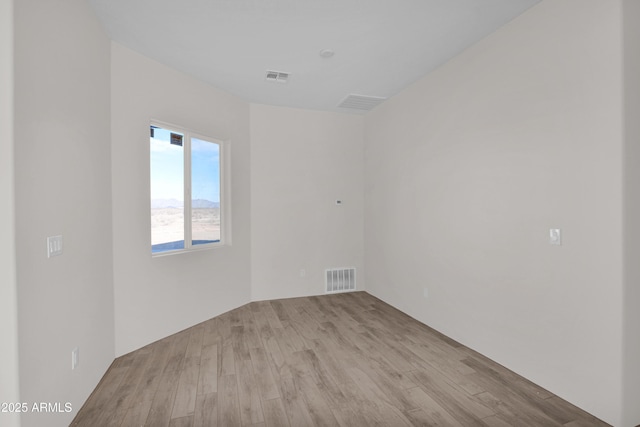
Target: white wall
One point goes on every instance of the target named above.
(302, 161)
(468, 169)
(155, 297)
(631, 309)
(62, 186)
(9, 389)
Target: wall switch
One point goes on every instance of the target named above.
(54, 246)
(555, 236)
(303, 272)
(75, 358)
(425, 292)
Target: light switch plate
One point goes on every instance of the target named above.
(54, 246)
(555, 236)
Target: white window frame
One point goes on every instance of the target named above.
(225, 205)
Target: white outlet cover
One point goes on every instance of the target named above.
(555, 236)
(54, 246)
(75, 358)
(425, 292)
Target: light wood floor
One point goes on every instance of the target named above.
(335, 360)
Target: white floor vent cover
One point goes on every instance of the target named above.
(340, 280)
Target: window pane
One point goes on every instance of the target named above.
(167, 190)
(205, 192)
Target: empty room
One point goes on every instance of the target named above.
(337, 213)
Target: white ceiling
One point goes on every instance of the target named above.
(381, 46)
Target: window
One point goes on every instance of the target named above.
(186, 190)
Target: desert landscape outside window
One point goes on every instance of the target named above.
(185, 190)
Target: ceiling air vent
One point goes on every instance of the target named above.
(360, 102)
(277, 76)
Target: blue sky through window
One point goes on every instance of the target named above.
(167, 172)
(205, 170)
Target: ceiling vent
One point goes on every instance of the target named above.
(277, 76)
(361, 102)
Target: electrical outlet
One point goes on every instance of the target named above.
(555, 236)
(75, 358)
(303, 272)
(54, 246)
(425, 292)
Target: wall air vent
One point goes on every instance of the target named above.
(360, 102)
(340, 280)
(277, 76)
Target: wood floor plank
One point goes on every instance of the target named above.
(336, 338)
(418, 417)
(179, 345)
(271, 316)
(504, 413)
(314, 367)
(279, 366)
(346, 360)
(227, 361)
(251, 335)
(99, 400)
(208, 374)
(228, 405)
(329, 357)
(394, 392)
(185, 401)
(206, 410)
(450, 368)
(462, 406)
(489, 368)
(304, 325)
(431, 410)
(141, 405)
(137, 413)
(239, 343)
(316, 402)
(348, 417)
(266, 383)
(248, 395)
(294, 406)
(565, 410)
(224, 325)
(519, 395)
(367, 409)
(373, 391)
(116, 409)
(274, 414)
(399, 357)
(182, 422)
(496, 421)
(265, 330)
(281, 312)
(292, 338)
(160, 411)
(212, 332)
(324, 306)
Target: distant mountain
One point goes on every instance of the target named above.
(203, 203)
(166, 203)
(175, 203)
